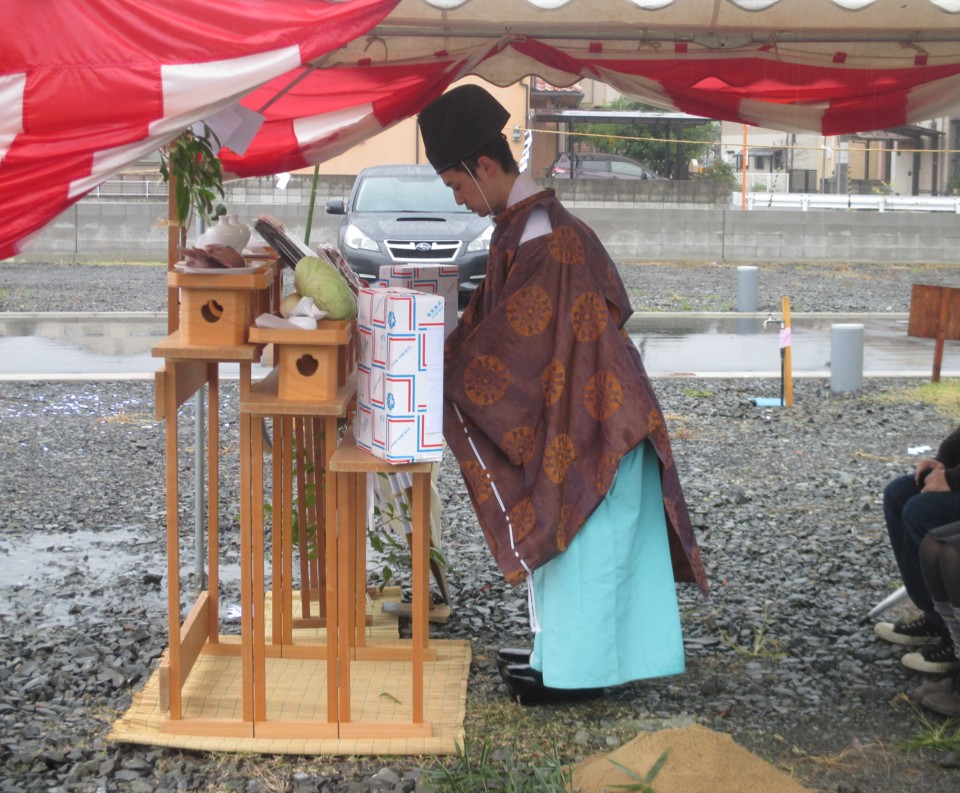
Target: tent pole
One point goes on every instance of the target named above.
(313, 200)
(173, 254)
(743, 172)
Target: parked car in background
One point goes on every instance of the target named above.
(405, 214)
(600, 166)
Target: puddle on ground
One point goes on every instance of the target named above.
(715, 345)
(44, 346)
(76, 568)
(70, 565)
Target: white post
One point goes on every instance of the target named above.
(846, 357)
(747, 278)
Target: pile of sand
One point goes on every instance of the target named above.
(700, 761)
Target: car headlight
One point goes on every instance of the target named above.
(356, 239)
(481, 243)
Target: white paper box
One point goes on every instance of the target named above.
(436, 279)
(363, 427)
(400, 374)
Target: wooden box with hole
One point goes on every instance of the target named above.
(218, 309)
(312, 364)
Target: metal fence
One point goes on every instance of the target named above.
(134, 186)
(149, 185)
(875, 203)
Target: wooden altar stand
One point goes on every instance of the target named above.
(318, 665)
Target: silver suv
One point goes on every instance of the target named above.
(405, 214)
(600, 166)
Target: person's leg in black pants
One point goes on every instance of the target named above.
(909, 515)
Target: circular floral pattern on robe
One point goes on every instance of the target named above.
(657, 432)
(486, 379)
(517, 443)
(589, 316)
(479, 480)
(558, 456)
(552, 381)
(522, 518)
(571, 519)
(603, 395)
(565, 246)
(606, 470)
(529, 310)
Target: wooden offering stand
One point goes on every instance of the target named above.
(192, 355)
(351, 466)
(307, 398)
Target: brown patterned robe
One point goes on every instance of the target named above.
(544, 393)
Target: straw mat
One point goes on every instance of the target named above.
(380, 691)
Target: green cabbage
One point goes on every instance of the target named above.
(318, 279)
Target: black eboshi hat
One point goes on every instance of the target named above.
(459, 124)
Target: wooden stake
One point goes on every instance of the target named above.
(787, 357)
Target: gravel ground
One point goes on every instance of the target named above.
(786, 504)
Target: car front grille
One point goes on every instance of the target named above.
(423, 250)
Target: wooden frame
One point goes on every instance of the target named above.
(186, 369)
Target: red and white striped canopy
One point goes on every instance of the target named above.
(90, 86)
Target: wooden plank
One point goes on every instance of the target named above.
(297, 729)
(328, 332)
(386, 729)
(388, 652)
(261, 279)
(173, 349)
(194, 634)
(934, 312)
(349, 457)
(224, 648)
(317, 652)
(263, 400)
(225, 728)
(189, 378)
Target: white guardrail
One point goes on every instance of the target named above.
(875, 203)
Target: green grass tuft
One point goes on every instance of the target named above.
(475, 771)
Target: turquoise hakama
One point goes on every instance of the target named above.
(607, 606)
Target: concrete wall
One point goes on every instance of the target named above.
(663, 220)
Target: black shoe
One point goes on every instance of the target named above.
(526, 686)
(512, 655)
(919, 630)
(933, 658)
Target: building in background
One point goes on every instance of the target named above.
(910, 160)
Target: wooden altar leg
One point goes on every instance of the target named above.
(213, 502)
(330, 561)
(345, 483)
(173, 540)
(249, 425)
(316, 512)
(303, 539)
(421, 586)
(257, 577)
(358, 562)
(282, 522)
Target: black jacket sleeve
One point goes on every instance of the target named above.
(949, 455)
